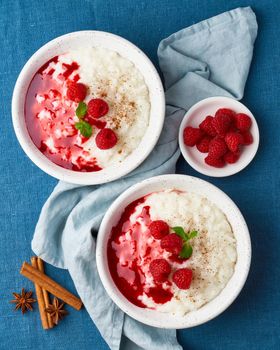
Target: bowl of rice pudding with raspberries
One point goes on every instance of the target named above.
(88, 107)
(173, 251)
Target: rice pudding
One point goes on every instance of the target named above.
(87, 109)
(171, 251)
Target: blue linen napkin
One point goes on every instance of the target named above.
(207, 59)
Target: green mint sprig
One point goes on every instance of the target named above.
(187, 249)
(81, 110)
(84, 128)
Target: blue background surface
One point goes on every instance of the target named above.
(253, 320)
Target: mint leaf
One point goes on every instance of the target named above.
(192, 234)
(81, 110)
(186, 251)
(180, 232)
(84, 128)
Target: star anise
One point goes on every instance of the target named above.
(56, 310)
(23, 301)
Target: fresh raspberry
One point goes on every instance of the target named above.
(76, 91)
(231, 157)
(203, 144)
(225, 111)
(247, 138)
(243, 122)
(106, 138)
(192, 136)
(158, 229)
(160, 269)
(100, 124)
(207, 127)
(216, 162)
(172, 243)
(97, 107)
(183, 278)
(217, 148)
(222, 121)
(233, 141)
(232, 129)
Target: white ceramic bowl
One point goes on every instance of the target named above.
(228, 294)
(195, 116)
(73, 41)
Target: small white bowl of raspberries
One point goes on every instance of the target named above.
(219, 136)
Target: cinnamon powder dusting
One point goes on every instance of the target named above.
(123, 110)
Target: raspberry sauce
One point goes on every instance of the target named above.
(130, 250)
(50, 117)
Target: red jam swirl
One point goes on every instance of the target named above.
(49, 116)
(128, 275)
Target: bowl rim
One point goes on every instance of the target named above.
(144, 316)
(111, 173)
(228, 170)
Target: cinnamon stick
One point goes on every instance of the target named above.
(40, 264)
(50, 285)
(40, 298)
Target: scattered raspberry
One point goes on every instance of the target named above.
(217, 148)
(222, 121)
(160, 269)
(183, 278)
(207, 127)
(192, 136)
(231, 157)
(172, 243)
(203, 144)
(216, 162)
(233, 141)
(97, 107)
(243, 122)
(247, 138)
(159, 229)
(76, 91)
(106, 138)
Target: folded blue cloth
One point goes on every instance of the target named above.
(209, 58)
